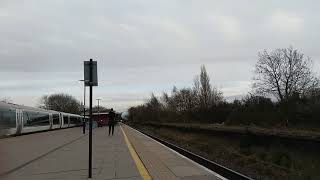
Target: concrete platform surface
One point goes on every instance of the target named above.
(17, 151)
(68, 159)
(165, 164)
(63, 154)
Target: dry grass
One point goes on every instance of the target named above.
(284, 132)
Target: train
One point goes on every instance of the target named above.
(17, 119)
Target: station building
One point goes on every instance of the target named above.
(102, 118)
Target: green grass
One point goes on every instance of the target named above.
(255, 159)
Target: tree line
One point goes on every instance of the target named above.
(285, 92)
(66, 103)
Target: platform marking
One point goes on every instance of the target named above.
(141, 168)
(182, 156)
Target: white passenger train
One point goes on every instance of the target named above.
(17, 119)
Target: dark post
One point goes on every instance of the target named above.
(98, 111)
(90, 123)
(84, 108)
(84, 122)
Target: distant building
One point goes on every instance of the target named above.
(101, 118)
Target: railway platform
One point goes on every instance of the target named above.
(63, 154)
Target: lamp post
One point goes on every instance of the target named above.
(98, 109)
(84, 106)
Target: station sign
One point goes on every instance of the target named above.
(88, 67)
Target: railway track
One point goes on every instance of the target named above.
(223, 171)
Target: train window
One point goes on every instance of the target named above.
(7, 118)
(31, 118)
(55, 119)
(73, 120)
(65, 120)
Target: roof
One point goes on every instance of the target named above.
(100, 113)
(95, 113)
(16, 106)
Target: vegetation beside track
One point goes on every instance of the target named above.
(287, 133)
(245, 154)
(271, 133)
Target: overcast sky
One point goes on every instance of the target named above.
(144, 46)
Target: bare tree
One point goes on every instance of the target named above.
(61, 102)
(165, 99)
(172, 102)
(196, 92)
(216, 96)
(6, 100)
(205, 88)
(154, 103)
(184, 99)
(284, 73)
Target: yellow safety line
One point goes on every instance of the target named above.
(141, 168)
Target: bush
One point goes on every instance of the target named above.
(264, 119)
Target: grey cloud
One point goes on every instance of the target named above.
(144, 46)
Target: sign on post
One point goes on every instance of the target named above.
(87, 81)
(90, 79)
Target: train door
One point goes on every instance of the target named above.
(50, 120)
(60, 120)
(19, 121)
(65, 119)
